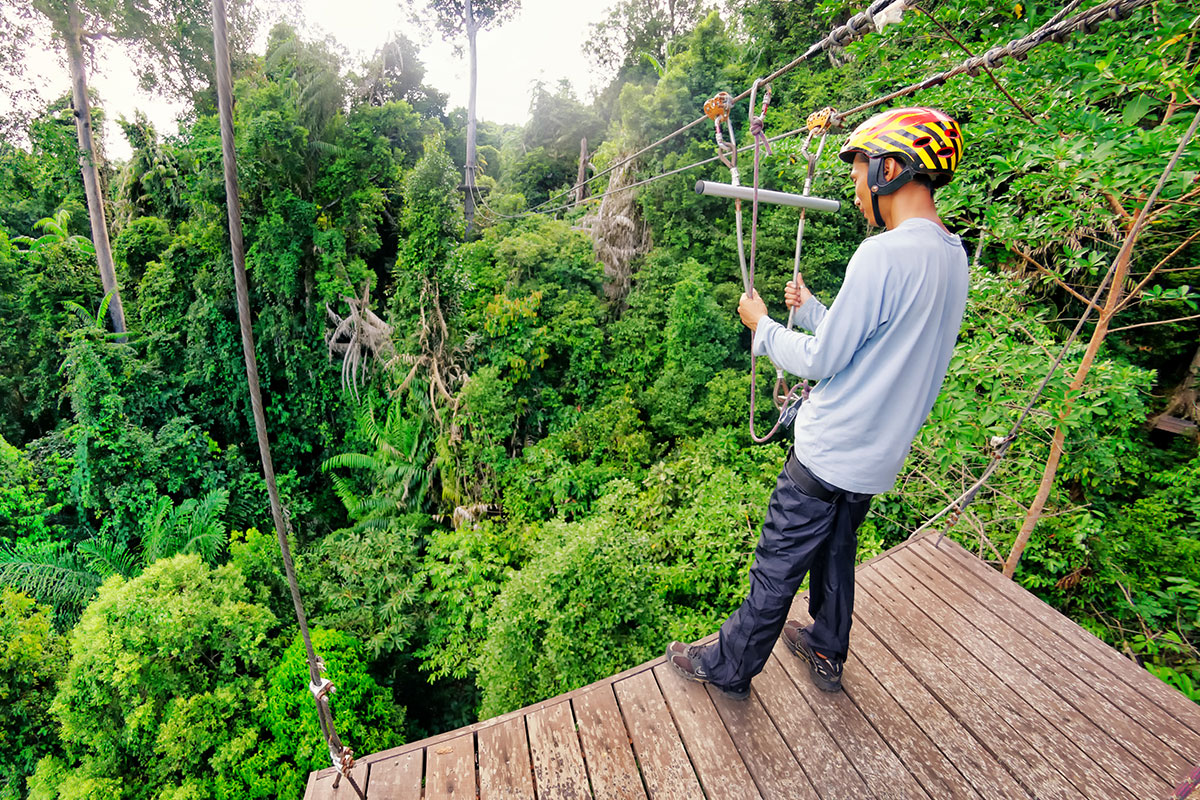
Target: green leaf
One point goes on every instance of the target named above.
(1136, 109)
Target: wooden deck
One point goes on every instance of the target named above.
(960, 684)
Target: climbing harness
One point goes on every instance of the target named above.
(787, 398)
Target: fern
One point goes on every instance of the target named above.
(50, 572)
(400, 469)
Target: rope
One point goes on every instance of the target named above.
(341, 756)
(1057, 29)
(787, 398)
(1000, 444)
(875, 17)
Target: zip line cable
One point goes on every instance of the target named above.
(875, 17)
(341, 756)
(1000, 444)
(1057, 30)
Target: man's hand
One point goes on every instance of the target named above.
(795, 296)
(751, 309)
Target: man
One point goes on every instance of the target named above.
(879, 355)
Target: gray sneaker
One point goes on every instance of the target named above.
(826, 671)
(685, 659)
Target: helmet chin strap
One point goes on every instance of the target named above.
(878, 184)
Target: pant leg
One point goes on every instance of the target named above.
(796, 527)
(831, 586)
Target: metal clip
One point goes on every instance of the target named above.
(325, 688)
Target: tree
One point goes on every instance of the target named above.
(1115, 300)
(192, 652)
(394, 74)
(454, 18)
(32, 658)
(170, 41)
(69, 25)
(635, 39)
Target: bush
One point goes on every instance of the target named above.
(32, 658)
(583, 608)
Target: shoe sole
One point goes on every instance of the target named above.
(819, 680)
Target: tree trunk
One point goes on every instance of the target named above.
(72, 36)
(1111, 306)
(581, 192)
(469, 205)
(1183, 398)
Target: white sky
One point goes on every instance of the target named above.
(544, 41)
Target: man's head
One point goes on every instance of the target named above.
(898, 147)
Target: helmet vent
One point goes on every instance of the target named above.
(952, 133)
(922, 142)
(945, 152)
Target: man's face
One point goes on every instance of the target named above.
(862, 194)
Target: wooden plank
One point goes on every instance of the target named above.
(320, 784)
(1141, 757)
(607, 752)
(1150, 687)
(884, 773)
(970, 757)
(712, 752)
(450, 769)
(1050, 730)
(505, 769)
(665, 766)
(819, 756)
(1030, 749)
(1174, 424)
(1122, 699)
(767, 756)
(397, 778)
(520, 712)
(558, 769)
(919, 755)
(919, 728)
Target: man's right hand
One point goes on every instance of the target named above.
(796, 296)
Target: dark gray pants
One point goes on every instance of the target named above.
(801, 534)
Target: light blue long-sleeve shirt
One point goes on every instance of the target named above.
(879, 354)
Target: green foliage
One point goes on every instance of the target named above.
(165, 670)
(140, 242)
(24, 508)
(699, 337)
(567, 471)
(56, 232)
(364, 712)
(465, 568)
(32, 659)
(546, 633)
(366, 582)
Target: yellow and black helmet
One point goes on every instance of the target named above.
(926, 140)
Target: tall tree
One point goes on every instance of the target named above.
(634, 39)
(68, 25)
(454, 18)
(170, 42)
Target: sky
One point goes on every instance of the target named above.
(543, 42)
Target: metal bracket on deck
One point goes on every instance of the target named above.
(713, 189)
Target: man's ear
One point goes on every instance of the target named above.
(891, 168)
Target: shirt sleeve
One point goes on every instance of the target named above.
(838, 333)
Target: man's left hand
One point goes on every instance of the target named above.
(751, 309)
